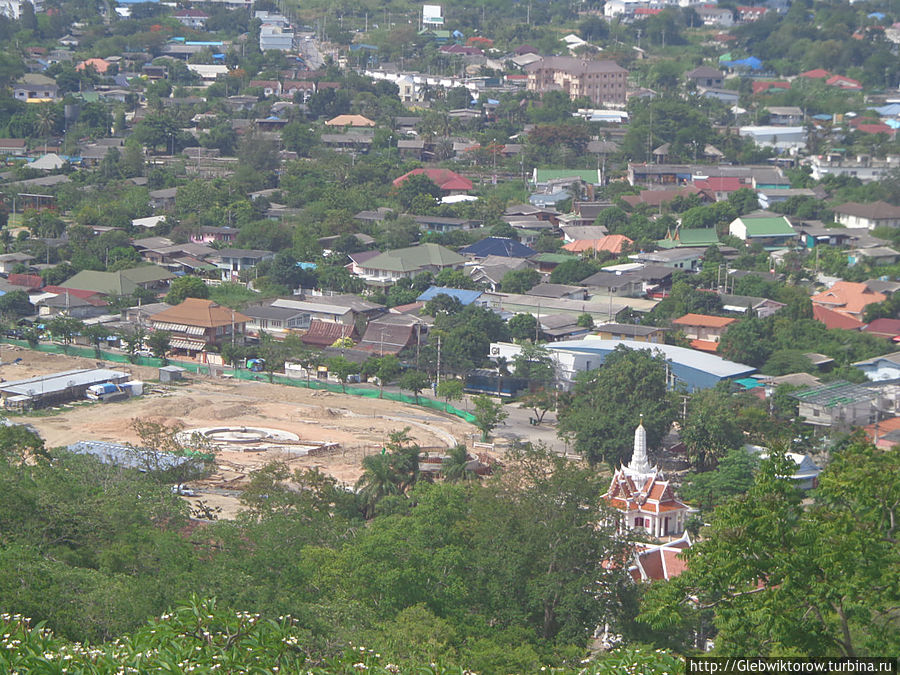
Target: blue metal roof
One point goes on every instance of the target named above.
(502, 246)
(127, 456)
(465, 297)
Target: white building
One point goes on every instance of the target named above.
(276, 38)
(645, 499)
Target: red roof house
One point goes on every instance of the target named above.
(847, 298)
(448, 181)
(886, 328)
(763, 86)
(816, 74)
(843, 82)
(832, 319)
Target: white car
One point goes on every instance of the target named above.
(183, 490)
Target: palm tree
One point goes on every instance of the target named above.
(45, 121)
(379, 480)
(454, 467)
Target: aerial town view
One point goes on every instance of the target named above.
(483, 337)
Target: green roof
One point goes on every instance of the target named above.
(107, 283)
(699, 236)
(146, 274)
(768, 227)
(554, 257)
(591, 176)
(414, 258)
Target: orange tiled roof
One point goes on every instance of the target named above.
(199, 312)
(847, 297)
(705, 345)
(704, 320)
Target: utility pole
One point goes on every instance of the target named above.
(438, 378)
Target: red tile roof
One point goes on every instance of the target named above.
(832, 319)
(704, 320)
(848, 298)
(326, 333)
(92, 297)
(444, 178)
(764, 86)
(816, 74)
(705, 345)
(614, 243)
(200, 312)
(26, 280)
(889, 328)
(844, 82)
(720, 184)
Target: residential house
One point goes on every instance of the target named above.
(163, 199)
(444, 224)
(12, 146)
(234, 260)
(764, 228)
(392, 333)
(276, 38)
(868, 216)
(611, 243)
(269, 87)
(832, 319)
(656, 199)
(72, 305)
(847, 298)
(785, 116)
(490, 271)
(676, 258)
(885, 328)
(768, 197)
(9, 261)
(581, 232)
(274, 321)
(548, 290)
(192, 18)
(633, 332)
(356, 121)
(465, 297)
(750, 306)
(881, 368)
(123, 282)
(208, 234)
(711, 15)
(843, 82)
(449, 182)
(704, 331)
(197, 324)
(705, 76)
(811, 235)
(876, 255)
(601, 82)
(719, 188)
(838, 404)
(556, 327)
(625, 285)
(385, 268)
(690, 238)
(33, 87)
(499, 247)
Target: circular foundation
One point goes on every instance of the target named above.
(243, 439)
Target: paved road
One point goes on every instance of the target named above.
(309, 49)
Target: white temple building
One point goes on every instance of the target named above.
(642, 495)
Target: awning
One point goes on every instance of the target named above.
(179, 328)
(191, 345)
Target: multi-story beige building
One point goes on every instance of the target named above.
(600, 81)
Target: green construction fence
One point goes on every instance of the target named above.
(202, 369)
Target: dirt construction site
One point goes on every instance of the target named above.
(328, 431)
